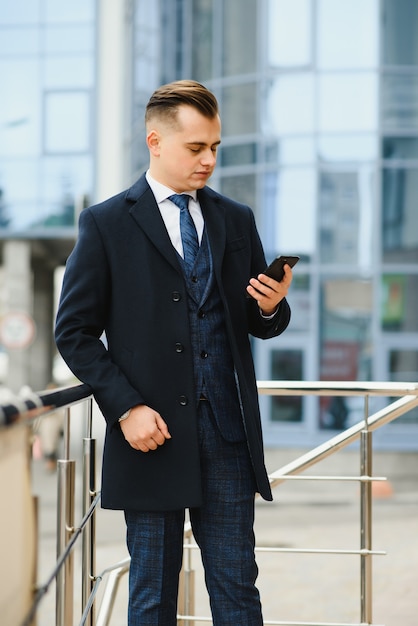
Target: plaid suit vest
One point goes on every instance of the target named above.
(214, 370)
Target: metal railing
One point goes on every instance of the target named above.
(35, 405)
(361, 431)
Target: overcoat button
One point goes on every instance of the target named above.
(179, 347)
(201, 314)
(204, 354)
(194, 279)
(183, 400)
(176, 296)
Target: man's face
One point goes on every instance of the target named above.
(183, 155)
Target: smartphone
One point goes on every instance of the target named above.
(275, 269)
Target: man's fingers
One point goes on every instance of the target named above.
(145, 429)
(162, 427)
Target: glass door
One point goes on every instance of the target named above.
(286, 419)
(401, 364)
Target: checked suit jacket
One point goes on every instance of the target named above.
(124, 278)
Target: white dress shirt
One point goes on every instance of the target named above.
(171, 212)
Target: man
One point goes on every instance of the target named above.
(176, 382)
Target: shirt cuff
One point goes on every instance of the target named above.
(124, 416)
(268, 317)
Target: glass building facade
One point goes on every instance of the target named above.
(319, 104)
(47, 71)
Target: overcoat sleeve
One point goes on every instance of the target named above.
(81, 320)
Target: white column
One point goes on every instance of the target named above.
(112, 62)
(17, 321)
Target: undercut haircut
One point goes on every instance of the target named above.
(166, 100)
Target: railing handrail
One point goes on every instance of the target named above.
(23, 406)
(30, 406)
(335, 388)
(343, 439)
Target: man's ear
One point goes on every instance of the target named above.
(153, 142)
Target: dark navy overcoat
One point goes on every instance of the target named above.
(124, 278)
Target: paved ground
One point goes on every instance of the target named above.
(304, 514)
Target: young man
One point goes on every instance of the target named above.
(176, 383)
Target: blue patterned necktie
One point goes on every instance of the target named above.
(187, 229)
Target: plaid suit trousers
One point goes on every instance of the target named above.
(223, 528)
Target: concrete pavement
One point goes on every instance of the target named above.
(304, 514)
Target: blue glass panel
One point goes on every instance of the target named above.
(289, 33)
(340, 106)
(20, 11)
(348, 34)
(20, 109)
(19, 41)
(67, 122)
(288, 105)
(400, 215)
(399, 102)
(64, 11)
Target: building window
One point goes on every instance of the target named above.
(399, 302)
(67, 122)
(345, 327)
(403, 367)
(289, 33)
(289, 210)
(345, 215)
(400, 148)
(347, 34)
(202, 39)
(284, 111)
(400, 215)
(241, 188)
(399, 102)
(239, 44)
(286, 365)
(239, 109)
(399, 32)
(341, 109)
(241, 154)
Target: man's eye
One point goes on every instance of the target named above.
(195, 150)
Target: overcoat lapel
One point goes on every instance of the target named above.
(214, 216)
(146, 214)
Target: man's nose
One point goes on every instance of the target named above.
(209, 157)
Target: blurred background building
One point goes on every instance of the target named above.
(319, 104)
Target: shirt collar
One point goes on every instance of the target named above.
(162, 192)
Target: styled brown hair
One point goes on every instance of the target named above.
(165, 100)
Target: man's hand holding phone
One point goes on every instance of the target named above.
(270, 287)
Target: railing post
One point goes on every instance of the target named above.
(109, 595)
(89, 538)
(65, 527)
(366, 521)
(186, 599)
